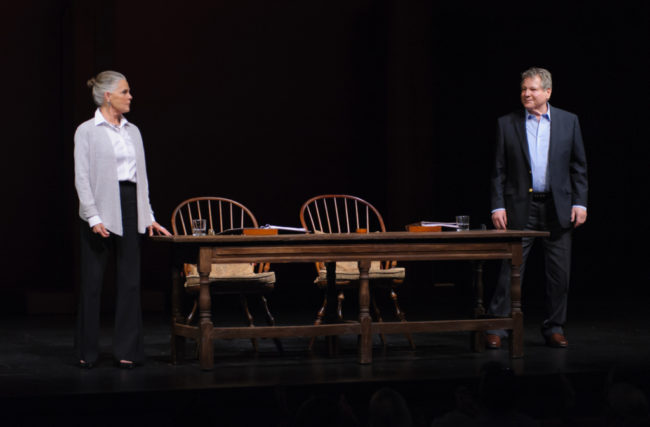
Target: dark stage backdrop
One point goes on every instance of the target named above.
(270, 103)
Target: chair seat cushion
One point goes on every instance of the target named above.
(231, 278)
(350, 271)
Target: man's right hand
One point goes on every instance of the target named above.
(101, 230)
(500, 219)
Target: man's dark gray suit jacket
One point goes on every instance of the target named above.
(512, 180)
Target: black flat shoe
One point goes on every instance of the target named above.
(85, 365)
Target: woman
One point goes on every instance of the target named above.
(111, 182)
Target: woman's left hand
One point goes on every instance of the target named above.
(159, 229)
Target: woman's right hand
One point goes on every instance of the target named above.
(101, 230)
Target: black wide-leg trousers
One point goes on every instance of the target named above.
(94, 255)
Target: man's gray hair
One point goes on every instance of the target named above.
(106, 81)
(544, 75)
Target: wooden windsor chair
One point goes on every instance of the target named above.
(244, 279)
(339, 213)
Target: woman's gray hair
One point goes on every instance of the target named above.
(106, 81)
(544, 75)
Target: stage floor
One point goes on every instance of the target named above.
(40, 381)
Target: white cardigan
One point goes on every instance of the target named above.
(96, 181)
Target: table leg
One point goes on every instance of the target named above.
(177, 341)
(331, 316)
(206, 354)
(478, 337)
(365, 321)
(517, 335)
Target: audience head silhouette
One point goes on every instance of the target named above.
(627, 405)
(388, 409)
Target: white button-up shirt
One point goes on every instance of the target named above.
(124, 153)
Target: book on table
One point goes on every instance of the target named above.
(431, 226)
(265, 230)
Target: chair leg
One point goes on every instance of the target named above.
(378, 317)
(270, 320)
(188, 320)
(190, 316)
(319, 319)
(249, 316)
(400, 315)
(339, 308)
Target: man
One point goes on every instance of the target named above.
(539, 182)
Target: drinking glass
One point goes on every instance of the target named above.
(198, 227)
(463, 222)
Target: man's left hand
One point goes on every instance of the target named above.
(578, 216)
(159, 229)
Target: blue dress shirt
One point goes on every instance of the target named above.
(538, 133)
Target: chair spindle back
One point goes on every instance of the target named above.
(221, 214)
(340, 213)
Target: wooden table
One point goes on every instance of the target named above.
(364, 248)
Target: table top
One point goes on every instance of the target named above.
(377, 237)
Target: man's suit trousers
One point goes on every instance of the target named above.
(557, 260)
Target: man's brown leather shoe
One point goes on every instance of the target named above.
(492, 341)
(557, 341)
